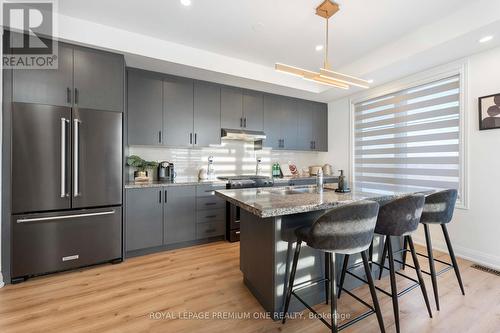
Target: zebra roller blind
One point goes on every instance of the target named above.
(409, 140)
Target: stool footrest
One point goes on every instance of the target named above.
(308, 284)
(440, 261)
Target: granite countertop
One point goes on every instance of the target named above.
(179, 181)
(279, 201)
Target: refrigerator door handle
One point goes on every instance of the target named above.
(64, 121)
(76, 153)
(64, 217)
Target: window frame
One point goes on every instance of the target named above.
(459, 68)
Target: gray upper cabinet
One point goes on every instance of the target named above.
(178, 112)
(272, 119)
(180, 214)
(98, 80)
(280, 122)
(231, 107)
(50, 87)
(145, 108)
(143, 218)
(320, 126)
(253, 110)
(305, 127)
(207, 102)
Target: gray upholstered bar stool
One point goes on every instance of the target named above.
(439, 209)
(397, 218)
(344, 230)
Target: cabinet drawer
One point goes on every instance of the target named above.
(209, 229)
(210, 215)
(208, 190)
(212, 202)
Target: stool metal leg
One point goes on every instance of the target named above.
(327, 276)
(431, 264)
(419, 275)
(342, 274)
(394, 290)
(291, 280)
(370, 253)
(405, 246)
(453, 259)
(382, 261)
(376, 305)
(333, 296)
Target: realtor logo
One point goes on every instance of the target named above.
(27, 39)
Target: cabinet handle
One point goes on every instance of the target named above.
(159, 136)
(76, 96)
(159, 196)
(190, 138)
(245, 122)
(195, 138)
(210, 203)
(314, 144)
(68, 95)
(165, 198)
(210, 216)
(241, 122)
(282, 143)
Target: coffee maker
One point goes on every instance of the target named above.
(166, 171)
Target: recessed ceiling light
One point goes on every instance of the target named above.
(369, 81)
(485, 39)
(319, 47)
(186, 2)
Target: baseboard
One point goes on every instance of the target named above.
(475, 256)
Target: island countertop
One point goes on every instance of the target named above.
(278, 201)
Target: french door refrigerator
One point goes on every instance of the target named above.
(66, 188)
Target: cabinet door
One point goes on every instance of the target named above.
(305, 111)
(231, 107)
(98, 78)
(46, 86)
(273, 106)
(320, 127)
(178, 112)
(144, 218)
(206, 114)
(289, 129)
(253, 110)
(180, 214)
(144, 108)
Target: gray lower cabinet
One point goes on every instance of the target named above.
(206, 126)
(179, 214)
(210, 212)
(98, 79)
(143, 218)
(178, 111)
(145, 108)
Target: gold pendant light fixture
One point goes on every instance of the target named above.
(326, 75)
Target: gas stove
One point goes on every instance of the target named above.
(247, 181)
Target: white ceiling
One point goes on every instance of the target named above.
(266, 31)
(263, 32)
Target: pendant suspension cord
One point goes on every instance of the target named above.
(326, 64)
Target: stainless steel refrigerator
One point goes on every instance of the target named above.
(66, 188)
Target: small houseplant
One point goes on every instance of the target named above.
(141, 166)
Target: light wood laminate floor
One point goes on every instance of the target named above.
(205, 281)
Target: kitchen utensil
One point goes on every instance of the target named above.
(327, 170)
(314, 169)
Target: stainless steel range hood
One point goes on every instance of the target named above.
(242, 135)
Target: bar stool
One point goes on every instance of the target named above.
(397, 218)
(438, 209)
(345, 230)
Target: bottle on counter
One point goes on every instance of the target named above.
(319, 180)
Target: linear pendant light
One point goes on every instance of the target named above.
(326, 75)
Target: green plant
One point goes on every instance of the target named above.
(140, 164)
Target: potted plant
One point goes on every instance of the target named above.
(141, 166)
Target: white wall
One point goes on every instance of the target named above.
(474, 232)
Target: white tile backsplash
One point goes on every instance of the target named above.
(230, 158)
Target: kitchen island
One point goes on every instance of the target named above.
(269, 217)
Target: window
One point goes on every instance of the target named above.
(409, 140)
